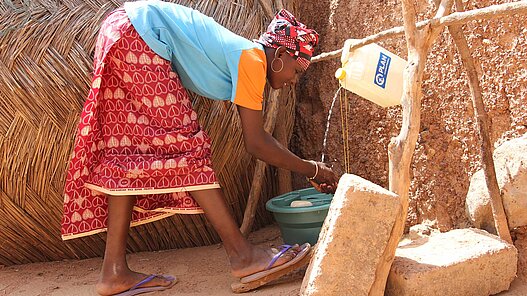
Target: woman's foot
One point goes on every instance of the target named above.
(110, 285)
(258, 259)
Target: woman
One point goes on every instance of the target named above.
(140, 154)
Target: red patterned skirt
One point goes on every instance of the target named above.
(137, 135)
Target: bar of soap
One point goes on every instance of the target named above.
(300, 203)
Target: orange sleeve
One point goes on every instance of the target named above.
(251, 79)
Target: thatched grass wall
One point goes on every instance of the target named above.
(46, 50)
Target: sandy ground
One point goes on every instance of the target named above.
(200, 271)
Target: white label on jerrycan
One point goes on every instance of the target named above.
(373, 73)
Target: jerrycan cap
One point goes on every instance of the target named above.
(340, 74)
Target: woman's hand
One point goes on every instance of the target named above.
(325, 181)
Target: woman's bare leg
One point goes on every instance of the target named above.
(116, 276)
(245, 258)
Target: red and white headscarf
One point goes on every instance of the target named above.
(285, 30)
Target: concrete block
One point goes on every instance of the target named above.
(464, 262)
(352, 240)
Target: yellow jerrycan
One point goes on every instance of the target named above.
(373, 73)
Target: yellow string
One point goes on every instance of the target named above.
(344, 112)
(342, 128)
(343, 117)
(348, 167)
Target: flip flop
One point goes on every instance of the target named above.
(135, 290)
(270, 269)
(276, 274)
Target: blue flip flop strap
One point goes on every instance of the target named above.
(284, 248)
(146, 280)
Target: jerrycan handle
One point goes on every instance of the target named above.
(346, 50)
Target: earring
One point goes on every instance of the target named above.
(275, 58)
(281, 67)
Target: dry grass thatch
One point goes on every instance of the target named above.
(46, 50)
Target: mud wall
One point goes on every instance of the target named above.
(447, 152)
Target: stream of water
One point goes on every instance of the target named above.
(328, 122)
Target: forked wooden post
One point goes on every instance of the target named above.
(402, 147)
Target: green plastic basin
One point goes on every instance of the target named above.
(299, 225)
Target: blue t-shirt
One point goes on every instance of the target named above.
(210, 60)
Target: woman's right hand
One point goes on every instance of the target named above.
(325, 181)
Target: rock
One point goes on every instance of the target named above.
(477, 203)
(510, 160)
(421, 230)
(464, 262)
(352, 240)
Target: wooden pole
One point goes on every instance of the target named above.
(489, 12)
(282, 133)
(402, 147)
(500, 218)
(259, 170)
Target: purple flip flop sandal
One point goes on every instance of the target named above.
(136, 289)
(305, 248)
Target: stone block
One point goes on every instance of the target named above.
(461, 262)
(352, 240)
(510, 160)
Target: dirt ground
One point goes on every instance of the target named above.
(200, 271)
